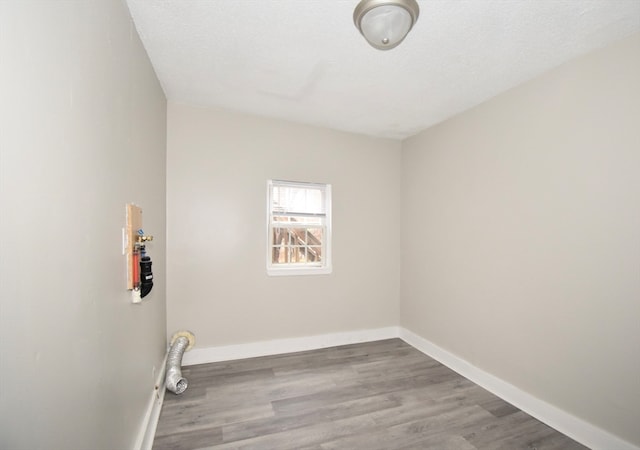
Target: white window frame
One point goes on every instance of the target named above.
(322, 268)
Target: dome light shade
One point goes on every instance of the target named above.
(385, 23)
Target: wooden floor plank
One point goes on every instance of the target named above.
(377, 395)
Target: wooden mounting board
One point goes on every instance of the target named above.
(134, 223)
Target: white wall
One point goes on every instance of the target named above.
(218, 165)
(82, 132)
(521, 226)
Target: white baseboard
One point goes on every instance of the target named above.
(279, 346)
(577, 429)
(147, 431)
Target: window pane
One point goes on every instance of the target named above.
(294, 254)
(314, 254)
(296, 245)
(298, 200)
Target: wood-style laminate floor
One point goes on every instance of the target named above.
(376, 395)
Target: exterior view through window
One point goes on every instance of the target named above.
(299, 228)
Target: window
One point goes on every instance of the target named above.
(299, 228)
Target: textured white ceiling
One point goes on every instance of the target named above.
(303, 60)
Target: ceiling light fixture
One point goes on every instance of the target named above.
(385, 23)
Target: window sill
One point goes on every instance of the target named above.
(295, 271)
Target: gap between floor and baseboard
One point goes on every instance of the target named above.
(574, 427)
(147, 430)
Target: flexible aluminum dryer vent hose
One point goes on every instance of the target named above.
(182, 341)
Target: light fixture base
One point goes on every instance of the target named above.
(385, 23)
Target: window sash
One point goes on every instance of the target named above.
(296, 239)
(298, 202)
(298, 214)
